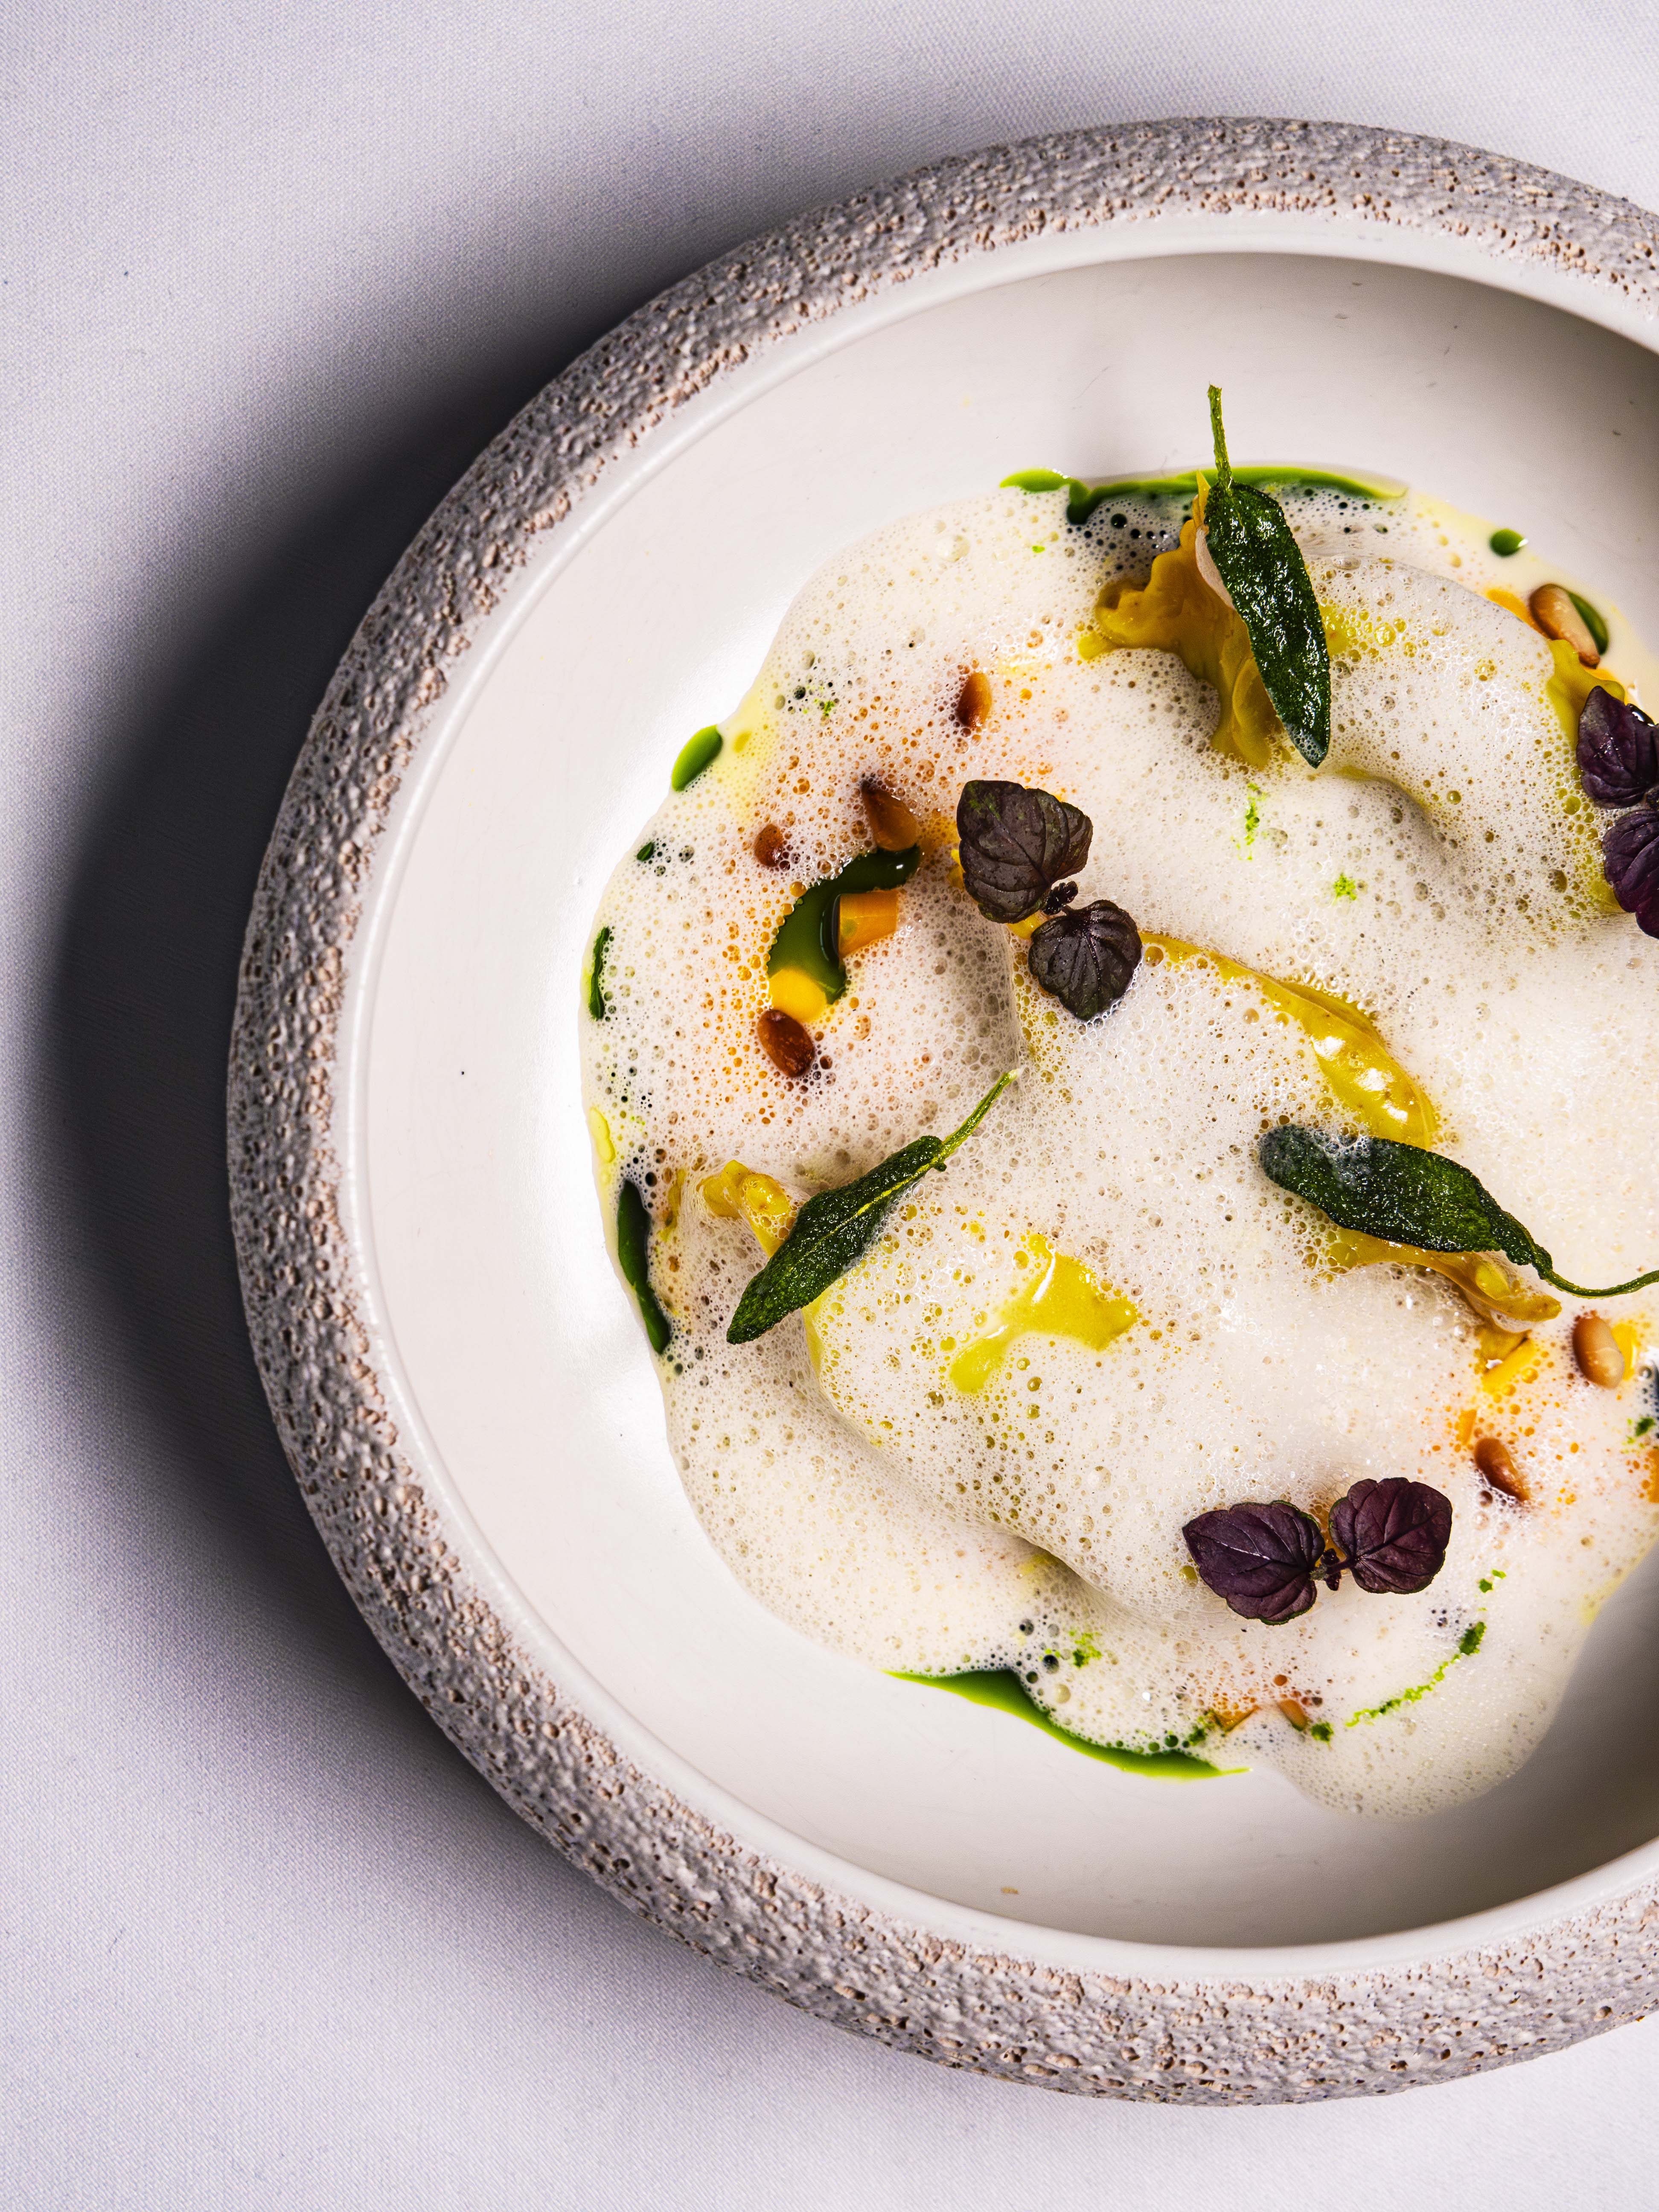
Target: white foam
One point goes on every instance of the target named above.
(882, 1509)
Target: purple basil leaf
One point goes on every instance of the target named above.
(1016, 843)
(1085, 957)
(1618, 759)
(1393, 1535)
(1260, 1557)
(1630, 855)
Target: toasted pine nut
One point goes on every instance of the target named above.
(892, 824)
(1294, 1711)
(1596, 1349)
(974, 700)
(1207, 570)
(1494, 1463)
(1556, 616)
(771, 847)
(788, 1045)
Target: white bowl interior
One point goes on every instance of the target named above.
(524, 1387)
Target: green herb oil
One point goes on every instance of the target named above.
(1084, 498)
(809, 936)
(596, 1002)
(634, 1258)
(695, 754)
(1001, 1688)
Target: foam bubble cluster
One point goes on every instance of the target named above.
(980, 1447)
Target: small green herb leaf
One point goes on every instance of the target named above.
(1261, 565)
(1408, 1195)
(598, 1005)
(634, 1258)
(833, 1231)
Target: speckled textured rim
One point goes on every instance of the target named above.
(1135, 2022)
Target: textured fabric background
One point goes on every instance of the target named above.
(268, 278)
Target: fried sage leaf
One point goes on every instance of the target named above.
(1086, 957)
(1393, 1535)
(1261, 565)
(1630, 859)
(833, 1231)
(1261, 1558)
(1408, 1195)
(1016, 845)
(1617, 762)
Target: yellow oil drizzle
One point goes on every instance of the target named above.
(1364, 1076)
(604, 1145)
(1627, 1335)
(1175, 611)
(1063, 1298)
(1519, 1366)
(1361, 1073)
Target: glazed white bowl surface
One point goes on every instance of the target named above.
(461, 1382)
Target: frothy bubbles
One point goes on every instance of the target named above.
(939, 1469)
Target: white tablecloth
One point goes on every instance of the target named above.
(271, 276)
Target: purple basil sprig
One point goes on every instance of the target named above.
(1015, 844)
(1618, 759)
(1393, 1535)
(1619, 766)
(1630, 858)
(1261, 1558)
(1268, 1560)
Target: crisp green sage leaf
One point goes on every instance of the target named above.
(1407, 1195)
(1266, 578)
(833, 1231)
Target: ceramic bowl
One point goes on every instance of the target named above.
(461, 1383)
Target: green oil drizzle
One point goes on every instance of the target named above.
(809, 936)
(596, 1002)
(634, 1258)
(1083, 499)
(1467, 1645)
(1594, 620)
(1001, 1689)
(696, 754)
(1504, 543)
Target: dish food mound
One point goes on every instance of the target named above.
(1120, 1084)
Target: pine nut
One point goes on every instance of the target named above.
(1597, 1351)
(788, 1045)
(1494, 1463)
(973, 701)
(892, 825)
(771, 847)
(1556, 616)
